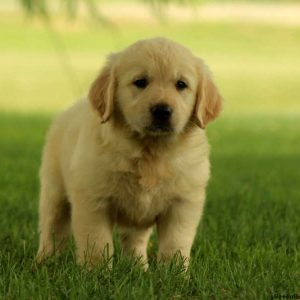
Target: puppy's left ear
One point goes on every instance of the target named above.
(102, 92)
(208, 99)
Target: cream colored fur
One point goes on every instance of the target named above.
(97, 175)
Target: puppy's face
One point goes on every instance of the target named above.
(158, 86)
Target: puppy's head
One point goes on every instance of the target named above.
(158, 87)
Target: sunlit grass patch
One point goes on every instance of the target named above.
(255, 66)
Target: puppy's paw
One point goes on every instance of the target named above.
(43, 255)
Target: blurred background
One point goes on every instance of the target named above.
(50, 51)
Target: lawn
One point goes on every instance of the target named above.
(247, 246)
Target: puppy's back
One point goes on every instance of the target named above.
(62, 137)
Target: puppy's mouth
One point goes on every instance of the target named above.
(158, 129)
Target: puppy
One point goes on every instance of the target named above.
(133, 154)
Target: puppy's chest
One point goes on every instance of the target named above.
(140, 193)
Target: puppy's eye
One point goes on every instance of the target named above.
(180, 85)
(141, 83)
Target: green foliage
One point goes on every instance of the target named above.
(41, 7)
(38, 7)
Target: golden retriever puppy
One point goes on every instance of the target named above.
(133, 154)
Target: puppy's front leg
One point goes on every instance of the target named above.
(177, 228)
(92, 228)
(134, 242)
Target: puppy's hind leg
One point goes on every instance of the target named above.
(54, 217)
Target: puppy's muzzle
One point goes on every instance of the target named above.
(161, 118)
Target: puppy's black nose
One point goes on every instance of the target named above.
(161, 112)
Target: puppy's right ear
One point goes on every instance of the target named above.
(102, 92)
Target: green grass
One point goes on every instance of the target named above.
(247, 246)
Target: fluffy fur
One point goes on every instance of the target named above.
(102, 167)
